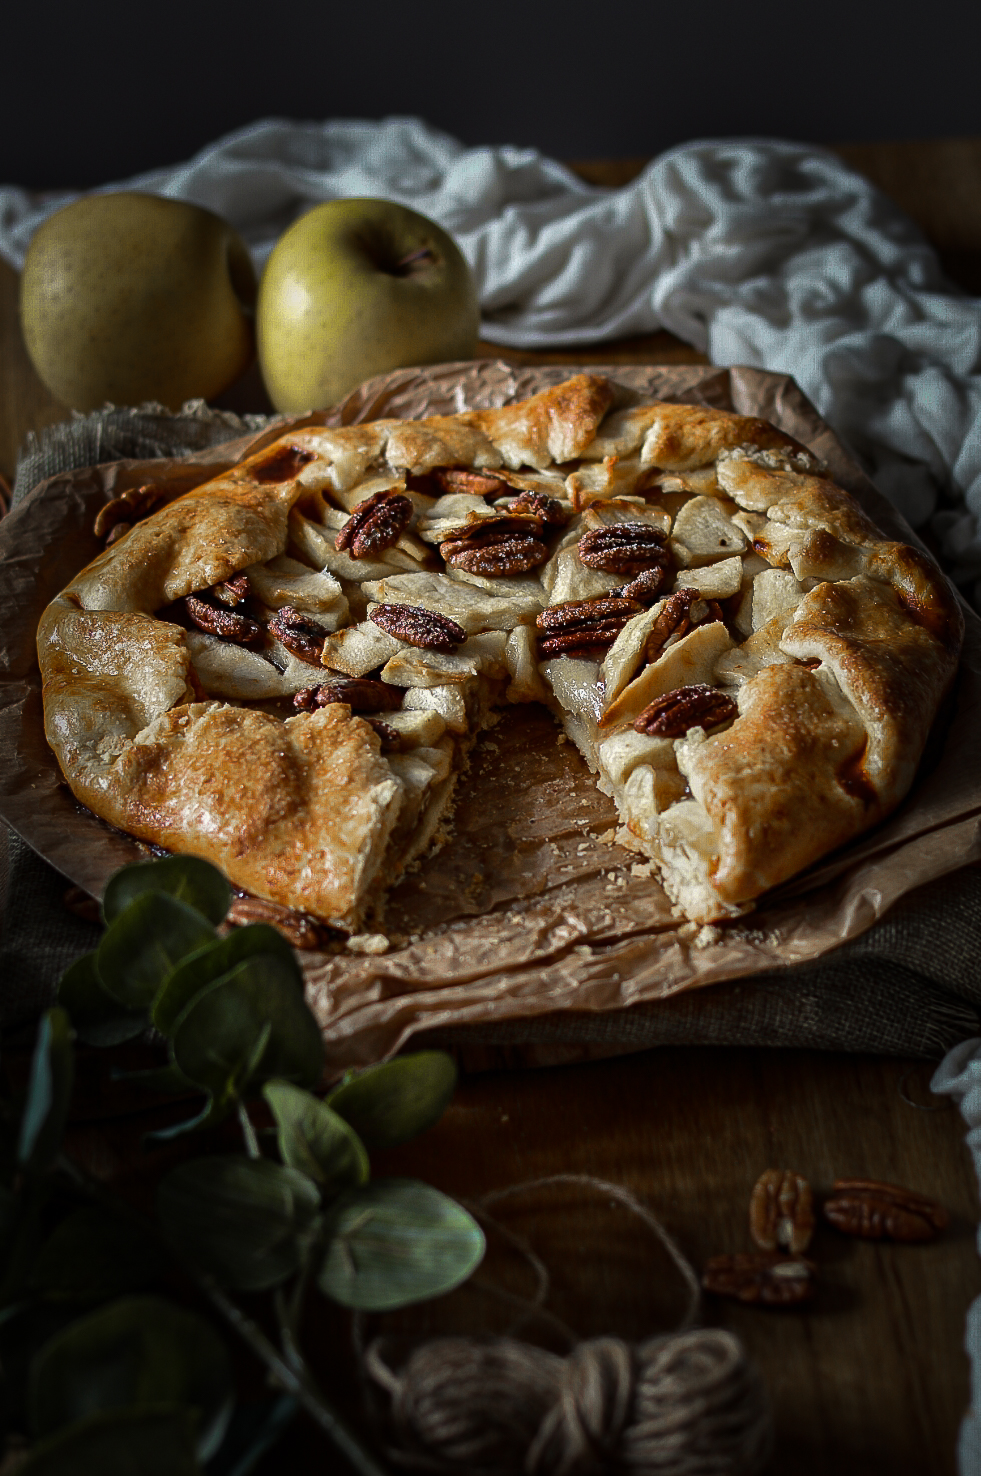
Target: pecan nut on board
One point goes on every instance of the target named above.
(781, 1211)
(763, 1277)
(874, 1210)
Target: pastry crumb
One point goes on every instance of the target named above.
(707, 935)
(642, 869)
(367, 943)
(608, 836)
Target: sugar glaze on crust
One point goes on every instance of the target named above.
(835, 645)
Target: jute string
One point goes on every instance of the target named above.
(687, 1403)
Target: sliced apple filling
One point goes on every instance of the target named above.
(748, 668)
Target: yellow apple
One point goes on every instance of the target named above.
(355, 288)
(130, 297)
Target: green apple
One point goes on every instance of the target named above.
(355, 288)
(130, 297)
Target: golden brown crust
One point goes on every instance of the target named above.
(685, 437)
(418, 446)
(769, 787)
(302, 811)
(922, 591)
(299, 812)
(891, 668)
(554, 426)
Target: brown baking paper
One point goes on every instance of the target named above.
(528, 909)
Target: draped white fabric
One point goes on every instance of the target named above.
(959, 1076)
(757, 251)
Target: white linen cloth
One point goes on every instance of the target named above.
(758, 252)
(959, 1076)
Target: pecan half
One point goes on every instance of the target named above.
(781, 1211)
(582, 624)
(233, 591)
(375, 524)
(217, 621)
(762, 1277)
(477, 484)
(646, 588)
(549, 509)
(671, 715)
(129, 507)
(624, 548)
(674, 619)
(109, 515)
(298, 928)
(301, 636)
(878, 1211)
(495, 552)
(362, 694)
(418, 627)
(142, 498)
(389, 736)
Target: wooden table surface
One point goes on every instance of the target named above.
(872, 1377)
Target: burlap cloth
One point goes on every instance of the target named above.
(908, 986)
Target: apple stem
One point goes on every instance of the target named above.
(424, 254)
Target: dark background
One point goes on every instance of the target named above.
(95, 92)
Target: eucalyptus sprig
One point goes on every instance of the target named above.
(107, 1377)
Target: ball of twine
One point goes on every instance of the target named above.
(688, 1403)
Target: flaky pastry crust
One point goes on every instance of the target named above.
(836, 646)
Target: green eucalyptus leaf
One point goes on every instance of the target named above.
(242, 1219)
(12, 1310)
(142, 945)
(168, 1081)
(194, 973)
(314, 1139)
(247, 1027)
(396, 1241)
(211, 1114)
(92, 1255)
(98, 1019)
(9, 1209)
(27, 1224)
(49, 1093)
(133, 1353)
(150, 1442)
(390, 1103)
(188, 878)
(255, 1428)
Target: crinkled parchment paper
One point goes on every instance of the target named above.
(529, 909)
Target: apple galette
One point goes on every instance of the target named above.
(284, 669)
